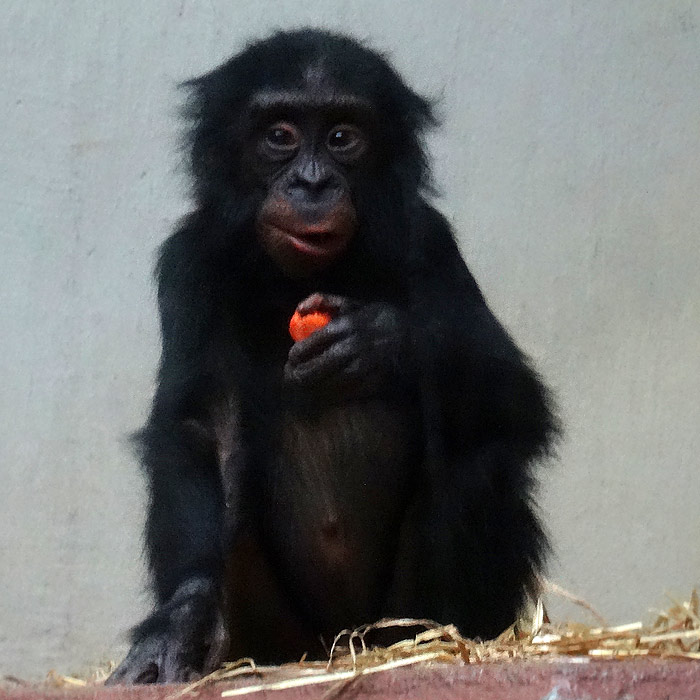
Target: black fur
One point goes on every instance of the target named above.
(455, 400)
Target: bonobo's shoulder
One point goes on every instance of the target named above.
(182, 259)
(436, 252)
(432, 232)
(426, 215)
(189, 241)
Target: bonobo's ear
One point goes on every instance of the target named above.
(419, 116)
(422, 113)
(210, 103)
(418, 111)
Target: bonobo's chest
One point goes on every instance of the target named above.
(339, 483)
(345, 457)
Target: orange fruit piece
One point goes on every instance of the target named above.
(301, 327)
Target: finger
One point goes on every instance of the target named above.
(318, 367)
(321, 340)
(174, 668)
(328, 303)
(217, 648)
(138, 667)
(315, 302)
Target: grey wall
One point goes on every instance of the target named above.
(569, 164)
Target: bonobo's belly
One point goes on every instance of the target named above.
(338, 494)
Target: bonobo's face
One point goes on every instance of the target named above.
(304, 151)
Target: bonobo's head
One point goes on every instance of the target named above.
(304, 137)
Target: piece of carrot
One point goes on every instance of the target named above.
(301, 327)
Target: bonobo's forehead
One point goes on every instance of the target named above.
(321, 66)
(315, 89)
(309, 99)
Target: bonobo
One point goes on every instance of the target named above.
(382, 466)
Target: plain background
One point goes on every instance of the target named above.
(569, 164)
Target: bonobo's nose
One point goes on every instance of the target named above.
(313, 183)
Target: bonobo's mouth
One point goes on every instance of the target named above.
(319, 241)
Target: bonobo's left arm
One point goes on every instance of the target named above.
(487, 416)
(473, 543)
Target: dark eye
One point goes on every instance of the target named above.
(281, 139)
(346, 141)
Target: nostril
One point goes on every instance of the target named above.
(320, 184)
(301, 187)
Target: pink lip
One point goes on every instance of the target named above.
(312, 241)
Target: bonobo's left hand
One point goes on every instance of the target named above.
(361, 348)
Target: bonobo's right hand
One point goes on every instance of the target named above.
(362, 346)
(182, 641)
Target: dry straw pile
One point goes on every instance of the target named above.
(674, 634)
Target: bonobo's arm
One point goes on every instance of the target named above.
(184, 636)
(486, 417)
(180, 454)
(472, 543)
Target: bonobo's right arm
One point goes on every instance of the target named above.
(181, 453)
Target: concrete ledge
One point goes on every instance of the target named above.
(530, 680)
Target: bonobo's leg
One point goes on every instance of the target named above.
(185, 636)
(470, 547)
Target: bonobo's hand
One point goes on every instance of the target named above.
(361, 348)
(180, 642)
